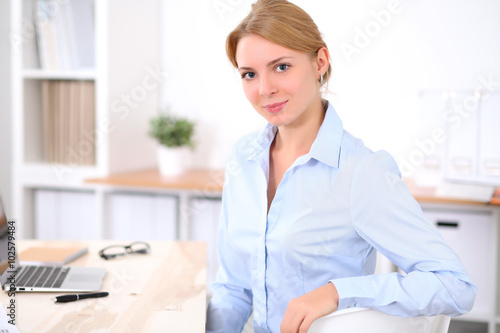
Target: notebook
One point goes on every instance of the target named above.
(40, 278)
(57, 256)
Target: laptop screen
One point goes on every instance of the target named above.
(8, 255)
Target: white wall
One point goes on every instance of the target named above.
(5, 111)
(200, 83)
(445, 44)
(425, 44)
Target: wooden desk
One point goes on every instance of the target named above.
(164, 291)
(428, 195)
(197, 179)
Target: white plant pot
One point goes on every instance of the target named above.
(172, 161)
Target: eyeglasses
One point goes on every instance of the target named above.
(120, 250)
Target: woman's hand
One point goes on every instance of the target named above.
(303, 310)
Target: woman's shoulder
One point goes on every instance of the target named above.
(253, 142)
(248, 139)
(354, 151)
(353, 147)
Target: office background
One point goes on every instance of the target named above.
(421, 46)
(387, 58)
(5, 119)
(377, 72)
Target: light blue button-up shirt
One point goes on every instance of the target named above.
(334, 208)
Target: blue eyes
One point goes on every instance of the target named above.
(248, 75)
(282, 67)
(278, 68)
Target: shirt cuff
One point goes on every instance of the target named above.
(354, 292)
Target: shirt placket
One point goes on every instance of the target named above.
(259, 276)
(271, 221)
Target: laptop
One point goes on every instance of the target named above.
(40, 278)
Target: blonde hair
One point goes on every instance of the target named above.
(282, 23)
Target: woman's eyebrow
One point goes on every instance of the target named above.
(275, 61)
(269, 64)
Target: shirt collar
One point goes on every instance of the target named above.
(262, 142)
(325, 148)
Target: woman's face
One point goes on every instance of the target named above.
(281, 84)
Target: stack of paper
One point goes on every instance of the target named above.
(479, 193)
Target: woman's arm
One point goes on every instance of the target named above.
(386, 215)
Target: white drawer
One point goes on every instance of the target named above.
(68, 215)
(472, 236)
(141, 216)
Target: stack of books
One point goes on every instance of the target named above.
(65, 34)
(68, 108)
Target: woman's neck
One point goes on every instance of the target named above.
(298, 138)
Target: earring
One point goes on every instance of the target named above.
(321, 80)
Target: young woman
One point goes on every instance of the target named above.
(306, 205)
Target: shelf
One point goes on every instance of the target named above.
(40, 74)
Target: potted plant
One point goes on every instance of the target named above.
(175, 138)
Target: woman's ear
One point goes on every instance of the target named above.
(322, 60)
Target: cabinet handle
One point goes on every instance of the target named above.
(447, 224)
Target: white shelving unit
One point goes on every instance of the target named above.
(126, 79)
(40, 74)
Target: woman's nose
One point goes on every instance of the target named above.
(267, 87)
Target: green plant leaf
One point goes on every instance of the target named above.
(172, 131)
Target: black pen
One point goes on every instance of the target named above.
(76, 297)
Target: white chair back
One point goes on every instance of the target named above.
(362, 320)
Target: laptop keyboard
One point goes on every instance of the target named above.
(41, 276)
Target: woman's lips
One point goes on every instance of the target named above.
(276, 107)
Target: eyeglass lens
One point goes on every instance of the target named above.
(119, 250)
(138, 247)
